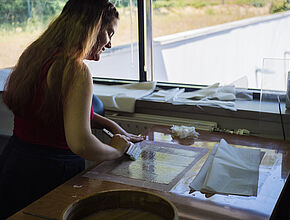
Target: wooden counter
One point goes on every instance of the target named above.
(270, 202)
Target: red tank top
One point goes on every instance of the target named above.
(31, 130)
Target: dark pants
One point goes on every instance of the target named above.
(27, 172)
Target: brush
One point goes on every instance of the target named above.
(133, 151)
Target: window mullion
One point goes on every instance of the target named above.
(141, 38)
(145, 40)
(148, 40)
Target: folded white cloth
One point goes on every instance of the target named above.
(206, 102)
(229, 170)
(165, 95)
(214, 96)
(123, 97)
(223, 93)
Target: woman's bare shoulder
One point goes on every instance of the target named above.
(80, 83)
(86, 71)
(81, 72)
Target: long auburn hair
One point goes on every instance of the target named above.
(67, 41)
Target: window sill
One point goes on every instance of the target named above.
(245, 109)
(261, 120)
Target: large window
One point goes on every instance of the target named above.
(196, 42)
(22, 21)
(207, 41)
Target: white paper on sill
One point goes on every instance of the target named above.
(164, 95)
(214, 96)
(215, 91)
(205, 102)
(229, 170)
(123, 97)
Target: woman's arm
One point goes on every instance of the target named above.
(76, 111)
(101, 122)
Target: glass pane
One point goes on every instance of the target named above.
(207, 41)
(22, 21)
(274, 74)
(121, 61)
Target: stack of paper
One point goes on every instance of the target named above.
(229, 170)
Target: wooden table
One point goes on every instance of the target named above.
(271, 202)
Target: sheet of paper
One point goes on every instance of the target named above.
(229, 170)
(160, 166)
(198, 181)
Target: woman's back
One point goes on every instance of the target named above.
(29, 127)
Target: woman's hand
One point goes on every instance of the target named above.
(130, 137)
(103, 122)
(134, 138)
(120, 142)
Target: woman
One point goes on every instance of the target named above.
(50, 93)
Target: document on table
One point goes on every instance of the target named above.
(229, 170)
(160, 166)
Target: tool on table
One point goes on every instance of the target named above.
(133, 151)
(39, 216)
